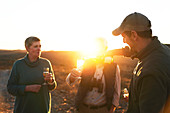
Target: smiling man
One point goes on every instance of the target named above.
(150, 84)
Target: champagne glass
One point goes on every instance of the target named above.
(80, 63)
(76, 72)
(125, 94)
(45, 73)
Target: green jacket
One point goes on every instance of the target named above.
(150, 84)
(25, 73)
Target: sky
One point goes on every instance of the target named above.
(66, 25)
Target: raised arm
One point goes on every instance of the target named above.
(73, 76)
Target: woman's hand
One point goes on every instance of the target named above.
(33, 88)
(49, 78)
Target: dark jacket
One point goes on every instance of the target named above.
(109, 72)
(150, 84)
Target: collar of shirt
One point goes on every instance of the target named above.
(99, 71)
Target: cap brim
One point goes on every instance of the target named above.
(117, 31)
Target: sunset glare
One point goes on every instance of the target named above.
(97, 47)
(71, 25)
(80, 63)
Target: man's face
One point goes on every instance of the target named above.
(129, 40)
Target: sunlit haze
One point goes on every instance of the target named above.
(66, 25)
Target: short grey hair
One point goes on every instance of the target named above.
(30, 40)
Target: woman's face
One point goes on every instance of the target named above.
(35, 49)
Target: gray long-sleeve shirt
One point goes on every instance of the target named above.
(25, 73)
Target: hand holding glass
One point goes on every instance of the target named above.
(76, 72)
(126, 94)
(45, 73)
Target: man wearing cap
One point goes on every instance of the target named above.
(99, 88)
(149, 90)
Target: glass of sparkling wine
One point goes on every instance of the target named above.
(125, 94)
(45, 73)
(80, 63)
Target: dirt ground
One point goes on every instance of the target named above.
(6, 100)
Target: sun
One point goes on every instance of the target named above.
(91, 50)
(80, 63)
(93, 47)
(116, 43)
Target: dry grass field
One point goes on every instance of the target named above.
(62, 62)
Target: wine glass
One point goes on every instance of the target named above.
(125, 94)
(80, 63)
(76, 72)
(45, 73)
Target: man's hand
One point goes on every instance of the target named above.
(126, 99)
(33, 88)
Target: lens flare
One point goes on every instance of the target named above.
(80, 63)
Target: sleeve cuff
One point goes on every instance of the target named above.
(115, 103)
(51, 83)
(22, 89)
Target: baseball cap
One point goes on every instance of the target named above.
(135, 21)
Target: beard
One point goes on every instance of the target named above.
(132, 47)
(129, 51)
(133, 50)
